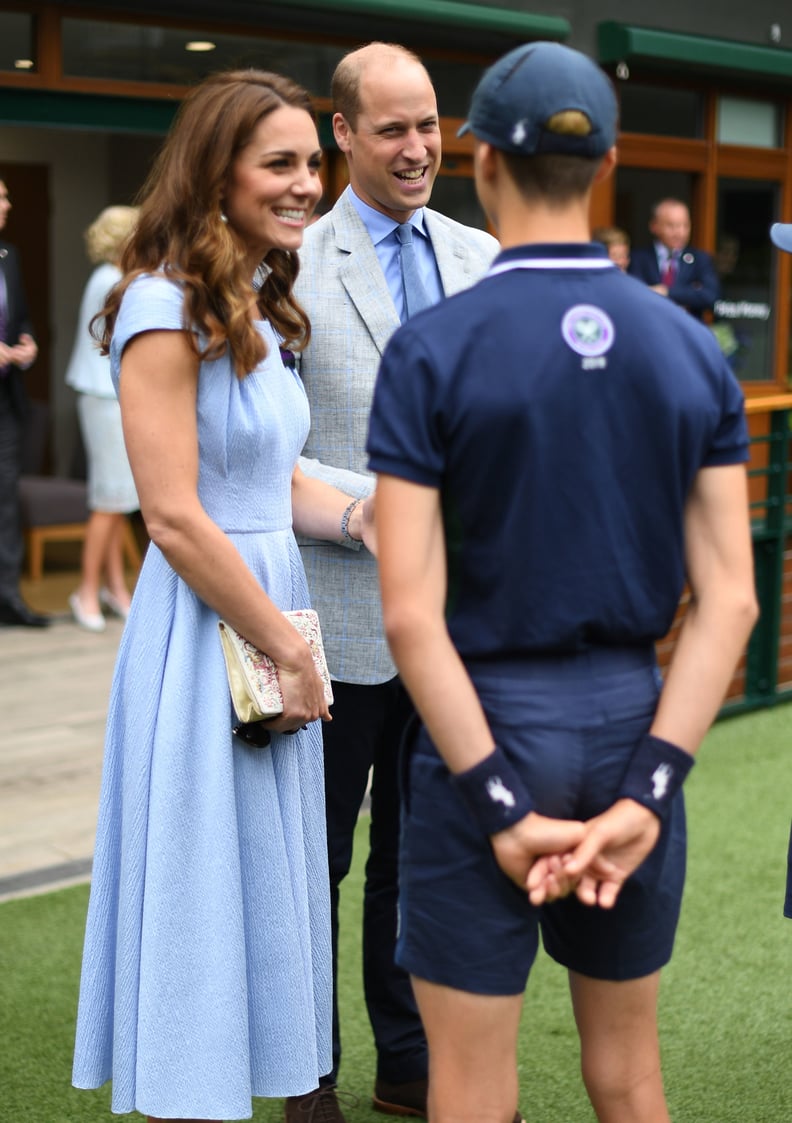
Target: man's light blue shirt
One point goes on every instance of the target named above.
(381, 230)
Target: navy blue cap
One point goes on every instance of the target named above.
(781, 235)
(518, 97)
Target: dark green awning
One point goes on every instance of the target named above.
(103, 112)
(455, 13)
(86, 111)
(621, 42)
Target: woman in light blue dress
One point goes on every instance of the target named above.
(206, 970)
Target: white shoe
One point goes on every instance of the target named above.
(91, 621)
(113, 604)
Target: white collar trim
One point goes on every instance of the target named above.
(552, 263)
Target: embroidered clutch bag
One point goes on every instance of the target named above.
(252, 675)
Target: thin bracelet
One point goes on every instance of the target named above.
(346, 537)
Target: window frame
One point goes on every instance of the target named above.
(707, 161)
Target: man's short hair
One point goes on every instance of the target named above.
(554, 179)
(669, 200)
(345, 84)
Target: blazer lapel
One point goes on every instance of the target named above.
(457, 270)
(360, 274)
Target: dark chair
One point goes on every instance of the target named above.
(53, 508)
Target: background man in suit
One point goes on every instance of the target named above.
(17, 351)
(672, 267)
(386, 123)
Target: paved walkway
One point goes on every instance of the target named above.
(54, 685)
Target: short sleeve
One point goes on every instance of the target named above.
(406, 422)
(730, 442)
(151, 303)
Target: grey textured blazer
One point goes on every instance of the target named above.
(342, 287)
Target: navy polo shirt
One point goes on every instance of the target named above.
(563, 410)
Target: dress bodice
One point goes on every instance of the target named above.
(250, 430)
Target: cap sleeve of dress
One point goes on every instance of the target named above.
(151, 303)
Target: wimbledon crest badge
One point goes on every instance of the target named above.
(589, 332)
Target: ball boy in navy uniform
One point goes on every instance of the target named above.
(557, 454)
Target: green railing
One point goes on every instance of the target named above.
(771, 464)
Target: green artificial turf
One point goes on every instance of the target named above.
(726, 998)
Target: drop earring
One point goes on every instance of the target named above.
(224, 218)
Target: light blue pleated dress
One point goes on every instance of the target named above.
(206, 975)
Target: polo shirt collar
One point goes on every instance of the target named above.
(554, 253)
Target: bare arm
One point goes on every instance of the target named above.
(412, 565)
(318, 508)
(158, 390)
(413, 581)
(722, 609)
(716, 628)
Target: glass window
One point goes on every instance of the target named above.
(753, 123)
(745, 314)
(455, 196)
(136, 53)
(17, 42)
(637, 191)
(661, 111)
(455, 82)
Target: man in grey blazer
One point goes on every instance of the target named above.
(350, 283)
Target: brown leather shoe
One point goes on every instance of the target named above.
(319, 1106)
(408, 1099)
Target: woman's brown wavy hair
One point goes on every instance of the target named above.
(180, 229)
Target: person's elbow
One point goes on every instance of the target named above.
(167, 524)
(748, 609)
(404, 623)
(737, 608)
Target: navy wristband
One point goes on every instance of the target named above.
(655, 774)
(493, 792)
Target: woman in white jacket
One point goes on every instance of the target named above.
(111, 489)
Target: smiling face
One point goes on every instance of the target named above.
(394, 150)
(274, 183)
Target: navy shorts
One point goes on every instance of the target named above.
(569, 725)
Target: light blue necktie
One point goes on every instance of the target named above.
(415, 296)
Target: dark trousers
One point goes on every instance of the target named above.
(365, 733)
(11, 544)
